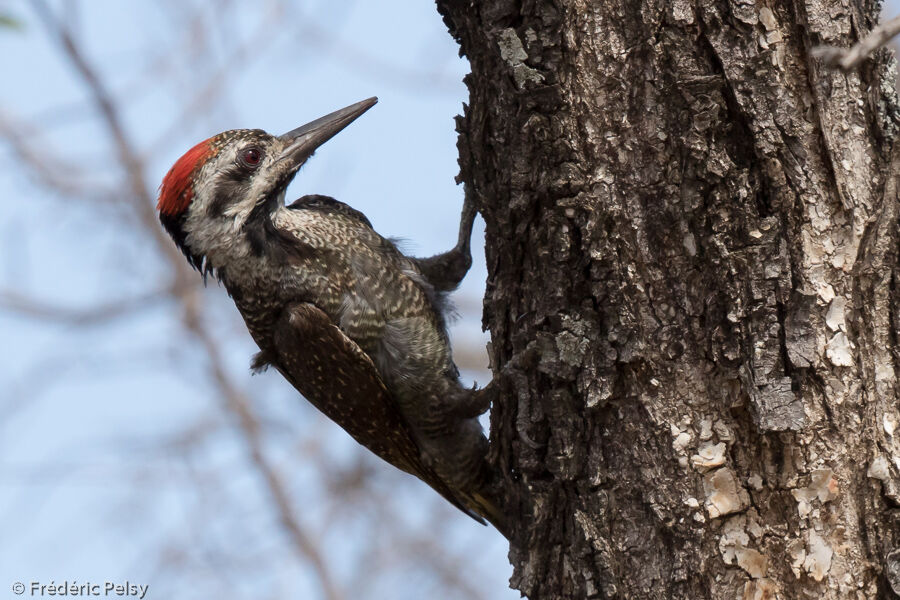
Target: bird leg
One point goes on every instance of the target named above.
(476, 402)
(445, 271)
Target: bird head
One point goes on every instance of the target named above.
(211, 193)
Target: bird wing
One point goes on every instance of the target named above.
(339, 379)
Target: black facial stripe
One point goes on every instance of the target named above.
(231, 187)
(255, 226)
(175, 226)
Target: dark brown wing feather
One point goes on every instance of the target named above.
(339, 379)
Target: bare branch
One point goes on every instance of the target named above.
(38, 309)
(215, 84)
(190, 64)
(111, 118)
(846, 60)
(364, 61)
(249, 424)
(187, 294)
(52, 171)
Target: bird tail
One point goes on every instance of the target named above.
(480, 504)
(483, 503)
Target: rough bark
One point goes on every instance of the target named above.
(692, 251)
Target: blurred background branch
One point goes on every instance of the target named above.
(128, 414)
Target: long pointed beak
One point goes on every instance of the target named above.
(304, 140)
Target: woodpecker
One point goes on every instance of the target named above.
(357, 327)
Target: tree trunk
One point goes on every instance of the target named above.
(692, 251)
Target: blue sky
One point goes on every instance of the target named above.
(108, 426)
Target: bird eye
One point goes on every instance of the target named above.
(251, 156)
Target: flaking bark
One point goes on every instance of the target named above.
(692, 250)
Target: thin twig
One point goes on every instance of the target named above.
(847, 60)
(239, 405)
(365, 61)
(33, 307)
(242, 55)
(187, 294)
(66, 178)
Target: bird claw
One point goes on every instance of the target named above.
(475, 402)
